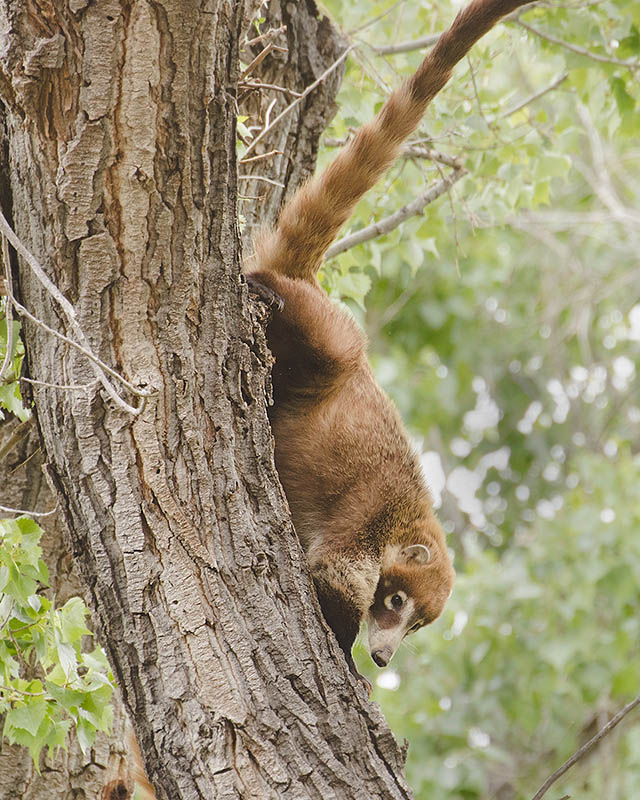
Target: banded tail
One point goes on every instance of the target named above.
(310, 222)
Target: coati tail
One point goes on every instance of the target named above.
(309, 223)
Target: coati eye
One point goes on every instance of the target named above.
(395, 601)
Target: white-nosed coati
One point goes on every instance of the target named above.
(355, 488)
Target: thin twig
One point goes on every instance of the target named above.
(261, 178)
(8, 510)
(267, 113)
(393, 220)
(630, 64)
(272, 86)
(72, 387)
(405, 47)
(377, 18)
(475, 92)
(94, 359)
(586, 748)
(260, 157)
(16, 437)
(99, 367)
(292, 105)
(409, 150)
(534, 97)
(8, 309)
(272, 33)
(257, 60)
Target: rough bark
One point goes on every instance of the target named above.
(123, 181)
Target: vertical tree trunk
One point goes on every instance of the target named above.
(123, 180)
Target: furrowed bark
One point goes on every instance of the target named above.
(123, 181)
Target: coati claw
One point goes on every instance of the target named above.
(265, 293)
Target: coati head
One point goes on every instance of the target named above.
(415, 583)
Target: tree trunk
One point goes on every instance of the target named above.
(123, 180)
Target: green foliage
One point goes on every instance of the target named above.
(10, 398)
(501, 686)
(48, 682)
(505, 323)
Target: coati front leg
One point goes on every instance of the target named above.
(345, 588)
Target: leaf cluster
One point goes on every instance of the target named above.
(48, 681)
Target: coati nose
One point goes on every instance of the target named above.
(382, 657)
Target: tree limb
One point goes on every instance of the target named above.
(581, 51)
(406, 47)
(393, 220)
(292, 105)
(586, 748)
(535, 96)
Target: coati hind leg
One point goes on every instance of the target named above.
(316, 345)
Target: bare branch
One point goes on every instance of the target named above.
(16, 437)
(535, 96)
(94, 360)
(586, 748)
(410, 150)
(406, 47)
(630, 64)
(600, 179)
(9, 510)
(271, 34)
(393, 220)
(260, 58)
(98, 365)
(377, 18)
(73, 387)
(292, 105)
(260, 157)
(8, 309)
(272, 86)
(261, 178)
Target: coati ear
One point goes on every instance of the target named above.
(415, 554)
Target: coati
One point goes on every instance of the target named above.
(355, 488)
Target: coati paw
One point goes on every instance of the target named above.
(265, 293)
(366, 683)
(358, 676)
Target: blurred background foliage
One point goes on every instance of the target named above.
(505, 323)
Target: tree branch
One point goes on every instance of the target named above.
(292, 105)
(575, 49)
(29, 513)
(393, 220)
(586, 748)
(405, 47)
(410, 150)
(99, 367)
(534, 97)
(8, 310)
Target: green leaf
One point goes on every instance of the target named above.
(11, 400)
(72, 620)
(27, 717)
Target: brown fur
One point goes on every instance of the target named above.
(354, 485)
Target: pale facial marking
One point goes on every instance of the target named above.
(385, 640)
